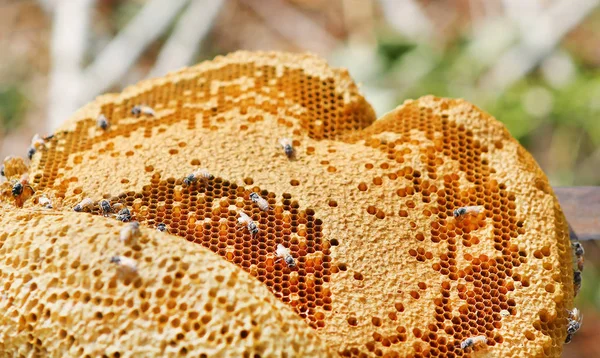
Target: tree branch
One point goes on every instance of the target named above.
(122, 52)
(183, 44)
(543, 35)
(69, 34)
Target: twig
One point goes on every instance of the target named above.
(69, 32)
(185, 40)
(122, 52)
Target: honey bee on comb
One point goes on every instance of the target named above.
(124, 215)
(83, 205)
(574, 324)
(467, 210)
(102, 122)
(262, 203)
(287, 146)
(105, 207)
(143, 109)
(245, 220)
(472, 341)
(129, 265)
(200, 174)
(284, 253)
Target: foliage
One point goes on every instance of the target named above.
(12, 107)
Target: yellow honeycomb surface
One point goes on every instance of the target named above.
(365, 207)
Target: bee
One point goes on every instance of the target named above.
(574, 323)
(578, 248)
(30, 152)
(130, 232)
(102, 122)
(37, 143)
(161, 227)
(471, 341)
(286, 144)
(198, 174)
(262, 203)
(19, 186)
(575, 319)
(105, 207)
(244, 219)
(17, 189)
(45, 202)
(284, 253)
(2, 171)
(580, 263)
(125, 262)
(577, 281)
(84, 204)
(124, 215)
(142, 109)
(462, 211)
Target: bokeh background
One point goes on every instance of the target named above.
(533, 64)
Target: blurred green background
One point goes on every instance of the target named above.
(533, 64)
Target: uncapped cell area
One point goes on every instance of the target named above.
(207, 213)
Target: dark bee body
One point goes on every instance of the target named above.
(459, 212)
(17, 189)
(577, 281)
(578, 248)
(189, 179)
(102, 122)
(289, 260)
(105, 207)
(124, 215)
(287, 146)
(30, 152)
(161, 227)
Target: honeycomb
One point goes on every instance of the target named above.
(383, 268)
(58, 300)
